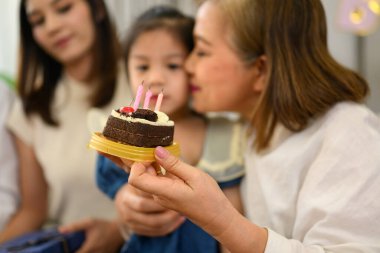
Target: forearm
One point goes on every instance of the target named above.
(22, 222)
(113, 238)
(32, 211)
(233, 195)
(238, 234)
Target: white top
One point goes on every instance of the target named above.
(318, 190)
(9, 193)
(69, 166)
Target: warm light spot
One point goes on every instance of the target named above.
(374, 6)
(357, 15)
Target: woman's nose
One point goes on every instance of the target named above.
(52, 23)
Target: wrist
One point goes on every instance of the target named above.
(124, 230)
(238, 234)
(116, 231)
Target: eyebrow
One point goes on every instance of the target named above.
(202, 39)
(54, 2)
(174, 55)
(35, 12)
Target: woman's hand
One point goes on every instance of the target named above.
(141, 214)
(101, 235)
(185, 189)
(195, 194)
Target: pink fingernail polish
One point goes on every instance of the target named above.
(161, 152)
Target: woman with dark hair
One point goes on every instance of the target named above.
(69, 63)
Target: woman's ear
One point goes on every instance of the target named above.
(261, 72)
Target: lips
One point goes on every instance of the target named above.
(62, 42)
(194, 88)
(154, 97)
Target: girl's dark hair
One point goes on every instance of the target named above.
(161, 17)
(304, 81)
(39, 73)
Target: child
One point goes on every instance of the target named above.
(156, 49)
(312, 162)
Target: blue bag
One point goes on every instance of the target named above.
(44, 241)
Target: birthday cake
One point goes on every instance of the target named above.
(142, 128)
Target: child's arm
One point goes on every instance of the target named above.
(109, 176)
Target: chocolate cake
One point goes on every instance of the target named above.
(142, 128)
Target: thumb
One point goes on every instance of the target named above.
(173, 165)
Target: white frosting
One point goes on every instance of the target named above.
(162, 119)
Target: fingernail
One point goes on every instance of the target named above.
(151, 171)
(161, 152)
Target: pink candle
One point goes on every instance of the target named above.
(148, 95)
(159, 101)
(140, 90)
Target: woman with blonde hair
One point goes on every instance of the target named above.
(312, 163)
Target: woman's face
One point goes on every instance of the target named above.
(158, 59)
(63, 28)
(220, 81)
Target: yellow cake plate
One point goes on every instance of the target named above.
(138, 154)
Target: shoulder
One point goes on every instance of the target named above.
(6, 95)
(352, 119)
(224, 133)
(348, 160)
(223, 125)
(19, 123)
(351, 138)
(6, 101)
(223, 149)
(350, 111)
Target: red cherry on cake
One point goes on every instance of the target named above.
(127, 109)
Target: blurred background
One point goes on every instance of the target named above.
(354, 37)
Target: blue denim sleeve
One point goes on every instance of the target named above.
(230, 183)
(109, 176)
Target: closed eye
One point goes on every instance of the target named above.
(37, 21)
(64, 8)
(200, 53)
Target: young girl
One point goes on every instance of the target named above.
(312, 163)
(156, 49)
(69, 63)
